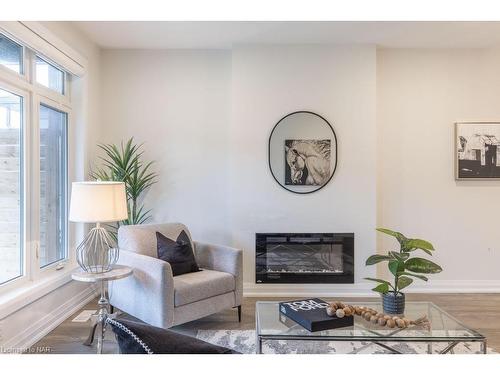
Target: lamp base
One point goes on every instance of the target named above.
(98, 251)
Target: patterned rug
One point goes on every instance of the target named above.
(243, 341)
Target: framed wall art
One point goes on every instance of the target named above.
(477, 150)
(302, 152)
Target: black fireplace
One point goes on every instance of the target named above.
(304, 258)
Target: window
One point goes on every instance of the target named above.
(34, 151)
(11, 54)
(53, 158)
(49, 76)
(11, 247)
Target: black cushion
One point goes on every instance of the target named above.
(178, 253)
(141, 338)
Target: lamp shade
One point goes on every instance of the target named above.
(98, 202)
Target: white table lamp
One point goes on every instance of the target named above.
(97, 202)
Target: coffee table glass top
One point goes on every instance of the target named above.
(443, 327)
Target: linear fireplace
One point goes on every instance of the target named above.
(304, 258)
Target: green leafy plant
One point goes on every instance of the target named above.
(124, 163)
(402, 266)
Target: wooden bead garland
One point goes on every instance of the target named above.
(340, 310)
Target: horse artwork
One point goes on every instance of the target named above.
(307, 162)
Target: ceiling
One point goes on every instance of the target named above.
(225, 35)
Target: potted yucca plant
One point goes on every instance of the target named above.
(125, 163)
(403, 267)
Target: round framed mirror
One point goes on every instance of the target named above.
(302, 152)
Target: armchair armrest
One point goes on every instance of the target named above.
(223, 259)
(149, 293)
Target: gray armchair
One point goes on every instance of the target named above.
(156, 297)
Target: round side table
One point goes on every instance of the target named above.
(99, 319)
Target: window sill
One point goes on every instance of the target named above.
(20, 297)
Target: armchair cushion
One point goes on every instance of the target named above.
(140, 338)
(197, 286)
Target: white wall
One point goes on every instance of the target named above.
(337, 83)
(178, 104)
(205, 117)
(420, 94)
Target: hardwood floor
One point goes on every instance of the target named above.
(478, 311)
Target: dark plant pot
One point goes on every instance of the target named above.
(393, 303)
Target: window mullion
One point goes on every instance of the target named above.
(34, 157)
(28, 65)
(31, 247)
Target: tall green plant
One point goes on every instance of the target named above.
(401, 265)
(124, 163)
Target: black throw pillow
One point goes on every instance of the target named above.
(141, 338)
(178, 253)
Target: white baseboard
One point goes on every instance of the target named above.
(304, 290)
(35, 332)
(364, 289)
(456, 286)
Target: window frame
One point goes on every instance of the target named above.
(25, 245)
(47, 90)
(22, 68)
(60, 99)
(69, 258)
(34, 94)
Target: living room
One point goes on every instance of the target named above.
(305, 185)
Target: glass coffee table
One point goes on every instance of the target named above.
(444, 328)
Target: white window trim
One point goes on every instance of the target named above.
(41, 40)
(36, 281)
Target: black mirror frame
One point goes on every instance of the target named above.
(269, 152)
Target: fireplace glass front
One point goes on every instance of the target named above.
(304, 257)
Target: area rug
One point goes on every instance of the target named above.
(243, 341)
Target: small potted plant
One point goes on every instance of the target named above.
(403, 267)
